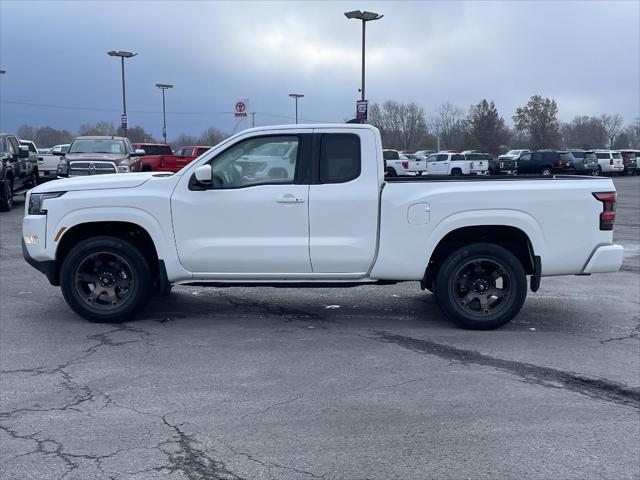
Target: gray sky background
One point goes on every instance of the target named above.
(586, 55)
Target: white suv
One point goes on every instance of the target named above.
(609, 161)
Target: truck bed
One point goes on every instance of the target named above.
(486, 178)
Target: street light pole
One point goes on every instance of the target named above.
(296, 96)
(123, 55)
(163, 87)
(364, 17)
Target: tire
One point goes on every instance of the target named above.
(546, 171)
(124, 284)
(6, 195)
(456, 172)
(391, 172)
(476, 264)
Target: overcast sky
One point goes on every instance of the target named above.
(586, 55)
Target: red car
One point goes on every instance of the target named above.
(160, 158)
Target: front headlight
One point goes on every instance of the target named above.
(124, 169)
(37, 199)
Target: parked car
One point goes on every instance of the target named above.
(423, 154)
(396, 164)
(159, 157)
(512, 154)
(630, 161)
(18, 172)
(456, 164)
(96, 155)
(503, 165)
(33, 153)
(585, 162)
(48, 162)
(546, 162)
(109, 241)
(609, 162)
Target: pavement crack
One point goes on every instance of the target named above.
(192, 460)
(634, 333)
(271, 465)
(277, 404)
(600, 389)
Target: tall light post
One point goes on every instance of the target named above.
(163, 87)
(364, 17)
(123, 55)
(296, 96)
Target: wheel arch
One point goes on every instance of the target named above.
(135, 225)
(512, 237)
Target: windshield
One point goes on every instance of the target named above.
(515, 153)
(617, 155)
(97, 146)
(578, 154)
(273, 150)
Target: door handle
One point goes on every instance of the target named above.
(289, 198)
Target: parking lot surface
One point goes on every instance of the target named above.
(364, 383)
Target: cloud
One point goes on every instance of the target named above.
(218, 52)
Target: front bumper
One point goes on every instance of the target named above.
(607, 258)
(48, 267)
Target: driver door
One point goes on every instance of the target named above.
(254, 221)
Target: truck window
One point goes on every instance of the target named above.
(185, 152)
(202, 151)
(443, 157)
(339, 158)
(603, 155)
(457, 157)
(241, 166)
(390, 155)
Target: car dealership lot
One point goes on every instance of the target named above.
(370, 382)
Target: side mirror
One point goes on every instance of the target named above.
(203, 174)
(23, 152)
(62, 170)
(138, 152)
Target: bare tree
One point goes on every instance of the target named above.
(583, 132)
(449, 123)
(612, 125)
(402, 125)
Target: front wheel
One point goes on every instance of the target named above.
(6, 195)
(546, 171)
(105, 279)
(481, 286)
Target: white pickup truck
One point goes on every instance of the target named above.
(110, 241)
(456, 164)
(397, 164)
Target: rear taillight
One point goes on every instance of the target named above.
(405, 164)
(558, 163)
(608, 215)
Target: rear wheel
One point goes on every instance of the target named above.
(481, 286)
(456, 172)
(105, 279)
(391, 172)
(546, 171)
(6, 195)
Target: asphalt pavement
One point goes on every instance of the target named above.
(364, 383)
